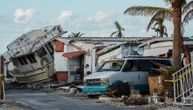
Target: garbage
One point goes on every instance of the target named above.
(118, 89)
(136, 101)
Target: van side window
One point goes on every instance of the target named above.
(127, 66)
(116, 66)
(106, 67)
(111, 66)
(144, 65)
(134, 66)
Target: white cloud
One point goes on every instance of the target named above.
(101, 16)
(65, 16)
(23, 15)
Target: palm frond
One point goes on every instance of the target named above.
(113, 33)
(187, 7)
(165, 29)
(76, 35)
(118, 26)
(120, 34)
(156, 29)
(152, 20)
(156, 24)
(163, 14)
(166, 34)
(143, 10)
(80, 34)
(188, 17)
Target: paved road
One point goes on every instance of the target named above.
(49, 101)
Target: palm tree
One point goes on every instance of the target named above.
(76, 35)
(119, 32)
(178, 7)
(158, 27)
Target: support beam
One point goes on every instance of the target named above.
(2, 91)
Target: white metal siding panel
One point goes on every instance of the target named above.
(161, 44)
(109, 55)
(59, 62)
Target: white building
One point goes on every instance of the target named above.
(161, 46)
(76, 57)
(119, 51)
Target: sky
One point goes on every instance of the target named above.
(94, 18)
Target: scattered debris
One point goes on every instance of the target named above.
(136, 101)
(118, 89)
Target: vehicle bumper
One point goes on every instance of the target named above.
(95, 90)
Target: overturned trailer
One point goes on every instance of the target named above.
(30, 56)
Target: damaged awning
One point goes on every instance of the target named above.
(73, 55)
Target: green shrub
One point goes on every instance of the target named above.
(168, 86)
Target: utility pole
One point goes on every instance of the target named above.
(2, 89)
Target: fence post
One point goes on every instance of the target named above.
(2, 90)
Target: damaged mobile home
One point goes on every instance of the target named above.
(29, 58)
(163, 46)
(75, 58)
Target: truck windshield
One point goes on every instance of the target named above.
(111, 66)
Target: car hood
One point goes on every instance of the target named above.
(98, 75)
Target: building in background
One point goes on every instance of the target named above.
(163, 47)
(78, 57)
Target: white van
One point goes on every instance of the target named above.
(134, 70)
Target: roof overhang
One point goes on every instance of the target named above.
(73, 55)
(156, 51)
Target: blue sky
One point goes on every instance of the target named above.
(92, 17)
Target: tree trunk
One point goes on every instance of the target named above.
(161, 31)
(177, 38)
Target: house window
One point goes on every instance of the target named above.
(31, 58)
(50, 48)
(41, 52)
(15, 61)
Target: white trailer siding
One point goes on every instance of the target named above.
(114, 53)
(60, 62)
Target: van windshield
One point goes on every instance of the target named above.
(111, 66)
